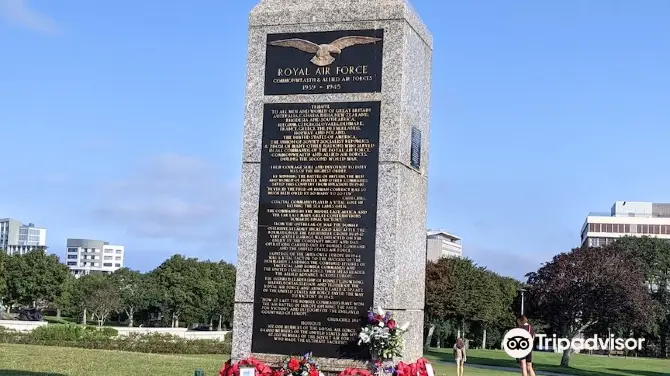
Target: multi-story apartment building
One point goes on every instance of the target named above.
(17, 238)
(85, 256)
(441, 244)
(626, 218)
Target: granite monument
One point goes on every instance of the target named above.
(333, 203)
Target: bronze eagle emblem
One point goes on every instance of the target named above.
(323, 52)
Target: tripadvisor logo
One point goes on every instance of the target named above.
(518, 343)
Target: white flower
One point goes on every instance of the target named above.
(405, 326)
(380, 311)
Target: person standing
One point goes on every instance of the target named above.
(460, 356)
(527, 361)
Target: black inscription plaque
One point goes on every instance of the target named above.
(324, 62)
(316, 227)
(415, 151)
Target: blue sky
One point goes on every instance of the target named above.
(122, 120)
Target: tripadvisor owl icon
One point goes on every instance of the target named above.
(518, 343)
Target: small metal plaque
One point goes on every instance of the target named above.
(415, 157)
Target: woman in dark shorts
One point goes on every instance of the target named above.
(527, 361)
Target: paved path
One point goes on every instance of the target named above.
(508, 369)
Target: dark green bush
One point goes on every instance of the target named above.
(107, 339)
(109, 332)
(59, 333)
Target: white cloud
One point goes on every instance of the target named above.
(173, 197)
(19, 13)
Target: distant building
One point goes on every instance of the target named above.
(441, 244)
(17, 238)
(626, 218)
(85, 256)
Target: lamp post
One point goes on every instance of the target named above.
(522, 291)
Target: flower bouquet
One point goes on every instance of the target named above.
(306, 366)
(260, 369)
(383, 335)
(413, 369)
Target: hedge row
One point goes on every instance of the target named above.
(107, 339)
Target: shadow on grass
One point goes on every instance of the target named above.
(633, 372)
(513, 364)
(9, 372)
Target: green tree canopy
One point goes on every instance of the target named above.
(589, 286)
(133, 291)
(35, 279)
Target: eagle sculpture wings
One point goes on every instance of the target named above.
(323, 52)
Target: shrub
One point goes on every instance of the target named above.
(228, 337)
(108, 339)
(59, 333)
(109, 332)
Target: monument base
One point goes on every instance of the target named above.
(329, 366)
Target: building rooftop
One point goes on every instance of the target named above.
(443, 233)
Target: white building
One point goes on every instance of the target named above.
(441, 244)
(85, 256)
(626, 218)
(17, 238)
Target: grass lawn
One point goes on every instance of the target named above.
(582, 365)
(25, 360)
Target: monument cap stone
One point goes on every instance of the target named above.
(287, 12)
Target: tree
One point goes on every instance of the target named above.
(654, 256)
(64, 301)
(103, 301)
(223, 276)
(84, 288)
(183, 289)
(35, 279)
(132, 290)
(460, 293)
(4, 258)
(588, 286)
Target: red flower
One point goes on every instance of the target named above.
(313, 372)
(225, 368)
(293, 365)
(277, 372)
(391, 324)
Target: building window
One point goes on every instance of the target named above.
(108, 258)
(72, 249)
(117, 265)
(109, 251)
(118, 258)
(595, 242)
(72, 263)
(626, 229)
(118, 251)
(71, 256)
(107, 265)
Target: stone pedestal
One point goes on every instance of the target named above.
(377, 90)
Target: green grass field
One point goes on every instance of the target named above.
(581, 365)
(24, 360)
